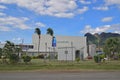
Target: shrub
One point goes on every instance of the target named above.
(27, 59)
(97, 59)
(41, 56)
(34, 57)
(14, 58)
(56, 56)
(102, 56)
(77, 59)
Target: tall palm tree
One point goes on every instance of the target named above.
(38, 32)
(51, 33)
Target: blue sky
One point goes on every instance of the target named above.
(19, 18)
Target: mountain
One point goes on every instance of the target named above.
(93, 38)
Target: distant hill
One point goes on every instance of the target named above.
(92, 38)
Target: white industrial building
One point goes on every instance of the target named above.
(67, 47)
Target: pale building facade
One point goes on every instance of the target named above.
(92, 49)
(67, 47)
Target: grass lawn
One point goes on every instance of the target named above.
(37, 64)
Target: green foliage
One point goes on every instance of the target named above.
(41, 56)
(112, 46)
(34, 57)
(50, 31)
(78, 59)
(27, 59)
(56, 56)
(102, 56)
(8, 49)
(91, 39)
(14, 58)
(38, 31)
(97, 58)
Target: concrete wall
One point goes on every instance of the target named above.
(69, 43)
(92, 50)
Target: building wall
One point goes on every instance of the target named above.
(92, 50)
(69, 43)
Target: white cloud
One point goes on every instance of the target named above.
(7, 23)
(111, 2)
(67, 15)
(39, 24)
(2, 7)
(107, 19)
(17, 40)
(57, 8)
(89, 29)
(106, 28)
(2, 14)
(85, 2)
(84, 9)
(104, 8)
(107, 4)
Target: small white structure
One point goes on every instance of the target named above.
(92, 49)
(68, 47)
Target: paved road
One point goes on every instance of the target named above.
(59, 75)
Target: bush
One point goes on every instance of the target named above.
(97, 59)
(34, 57)
(77, 59)
(102, 56)
(14, 58)
(41, 56)
(27, 59)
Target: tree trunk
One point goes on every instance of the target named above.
(39, 46)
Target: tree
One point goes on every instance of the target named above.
(51, 33)
(8, 49)
(27, 59)
(38, 32)
(13, 58)
(112, 46)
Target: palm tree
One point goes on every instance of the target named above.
(38, 32)
(51, 33)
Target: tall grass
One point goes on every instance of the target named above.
(38, 64)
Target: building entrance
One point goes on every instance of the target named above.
(77, 54)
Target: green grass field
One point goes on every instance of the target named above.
(41, 65)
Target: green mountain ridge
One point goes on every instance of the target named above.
(102, 37)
